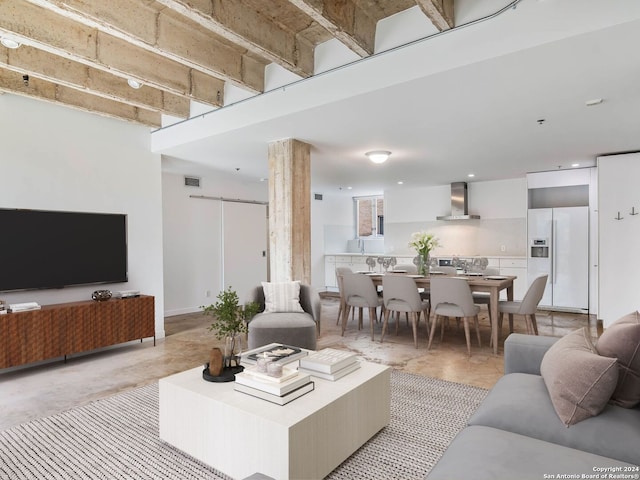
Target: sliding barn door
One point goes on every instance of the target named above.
(244, 247)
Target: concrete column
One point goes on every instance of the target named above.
(290, 210)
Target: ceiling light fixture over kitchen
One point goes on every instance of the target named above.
(134, 83)
(378, 156)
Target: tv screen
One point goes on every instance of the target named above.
(48, 249)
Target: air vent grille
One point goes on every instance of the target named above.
(191, 181)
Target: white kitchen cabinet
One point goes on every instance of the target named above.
(514, 267)
(330, 272)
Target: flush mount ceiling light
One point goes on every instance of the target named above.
(378, 156)
(9, 42)
(593, 102)
(134, 83)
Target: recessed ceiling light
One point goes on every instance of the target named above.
(378, 156)
(349, 188)
(134, 83)
(10, 42)
(400, 182)
(595, 101)
(575, 165)
(471, 175)
(263, 179)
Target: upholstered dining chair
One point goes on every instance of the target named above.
(451, 297)
(484, 298)
(360, 293)
(340, 271)
(527, 307)
(400, 295)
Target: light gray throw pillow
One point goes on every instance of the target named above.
(622, 341)
(282, 297)
(580, 382)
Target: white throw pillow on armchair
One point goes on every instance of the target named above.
(282, 297)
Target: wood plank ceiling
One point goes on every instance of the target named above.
(81, 53)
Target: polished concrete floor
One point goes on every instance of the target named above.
(45, 389)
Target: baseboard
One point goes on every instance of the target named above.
(181, 311)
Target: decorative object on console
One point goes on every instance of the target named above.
(423, 243)
(101, 295)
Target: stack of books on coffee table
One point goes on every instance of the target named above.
(279, 390)
(329, 364)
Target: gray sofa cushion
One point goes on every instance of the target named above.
(520, 403)
(485, 453)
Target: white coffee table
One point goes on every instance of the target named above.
(240, 435)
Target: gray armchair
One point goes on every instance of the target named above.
(289, 328)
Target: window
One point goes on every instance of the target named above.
(369, 213)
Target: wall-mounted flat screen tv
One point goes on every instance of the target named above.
(51, 249)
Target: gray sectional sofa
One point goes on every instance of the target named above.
(517, 434)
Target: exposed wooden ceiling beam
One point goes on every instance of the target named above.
(164, 34)
(64, 37)
(440, 12)
(250, 29)
(345, 20)
(13, 82)
(40, 64)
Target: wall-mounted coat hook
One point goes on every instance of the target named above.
(618, 217)
(633, 211)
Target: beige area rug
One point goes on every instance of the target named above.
(116, 438)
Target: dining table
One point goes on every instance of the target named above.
(493, 284)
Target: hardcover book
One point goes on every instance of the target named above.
(245, 378)
(333, 376)
(328, 360)
(277, 399)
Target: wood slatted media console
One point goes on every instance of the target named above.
(62, 329)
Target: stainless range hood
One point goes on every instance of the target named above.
(459, 209)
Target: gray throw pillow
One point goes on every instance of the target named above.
(622, 341)
(580, 382)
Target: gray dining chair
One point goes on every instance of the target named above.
(400, 295)
(340, 271)
(451, 297)
(360, 293)
(527, 307)
(484, 298)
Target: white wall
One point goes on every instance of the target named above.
(192, 232)
(55, 158)
(618, 256)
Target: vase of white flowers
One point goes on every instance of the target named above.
(423, 243)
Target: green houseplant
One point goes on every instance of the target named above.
(229, 322)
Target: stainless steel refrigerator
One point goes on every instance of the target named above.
(559, 246)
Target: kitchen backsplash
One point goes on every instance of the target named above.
(464, 238)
